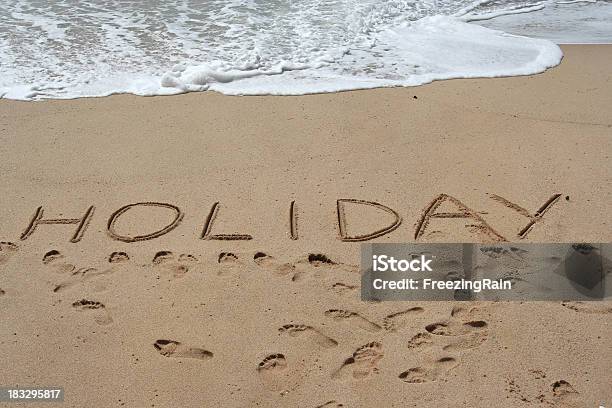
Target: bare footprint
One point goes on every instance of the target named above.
(398, 320)
(342, 288)
(78, 276)
(229, 263)
(54, 259)
(101, 315)
(417, 375)
(162, 257)
(272, 371)
(268, 262)
(362, 363)
(561, 394)
(456, 328)
(319, 263)
(512, 257)
(178, 268)
(187, 258)
(175, 349)
(7, 250)
(73, 275)
(296, 330)
(317, 260)
(227, 257)
(439, 329)
(499, 252)
(428, 372)
(460, 312)
(353, 318)
(466, 343)
(51, 256)
(561, 388)
(118, 257)
(463, 332)
(588, 307)
(420, 340)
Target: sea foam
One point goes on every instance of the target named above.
(62, 49)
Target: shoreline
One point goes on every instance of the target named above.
(569, 46)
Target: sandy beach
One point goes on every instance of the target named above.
(250, 296)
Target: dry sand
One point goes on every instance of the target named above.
(195, 327)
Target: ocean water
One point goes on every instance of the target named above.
(82, 48)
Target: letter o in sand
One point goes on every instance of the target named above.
(111, 222)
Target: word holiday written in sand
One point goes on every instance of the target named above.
(429, 213)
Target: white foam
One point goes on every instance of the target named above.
(432, 48)
(57, 49)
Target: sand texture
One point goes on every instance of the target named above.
(265, 310)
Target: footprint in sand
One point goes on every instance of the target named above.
(295, 330)
(561, 388)
(512, 257)
(176, 349)
(343, 288)
(273, 372)
(461, 312)
(398, 320)
(460, 323)
(100, 314)
(177, 267)
(314, 261)
(7, 250)
(464, 336)
(513, 261)
(558, 394)
(51, 256)
(450, 328)
(55, 260)
(187, 258)
(118, 260)
(588, 307)
(317, 260)
(118, 257)
(75, 278)
(227, 258)
(428, 372)
(299, 269)
(362, 363)
(78, 275)
(420, 340)
(230, 263)
(269, 263)
(561, 394)
(468, 342)
(162, 257)
(353, 318)
(463, 332)
(565, 395)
